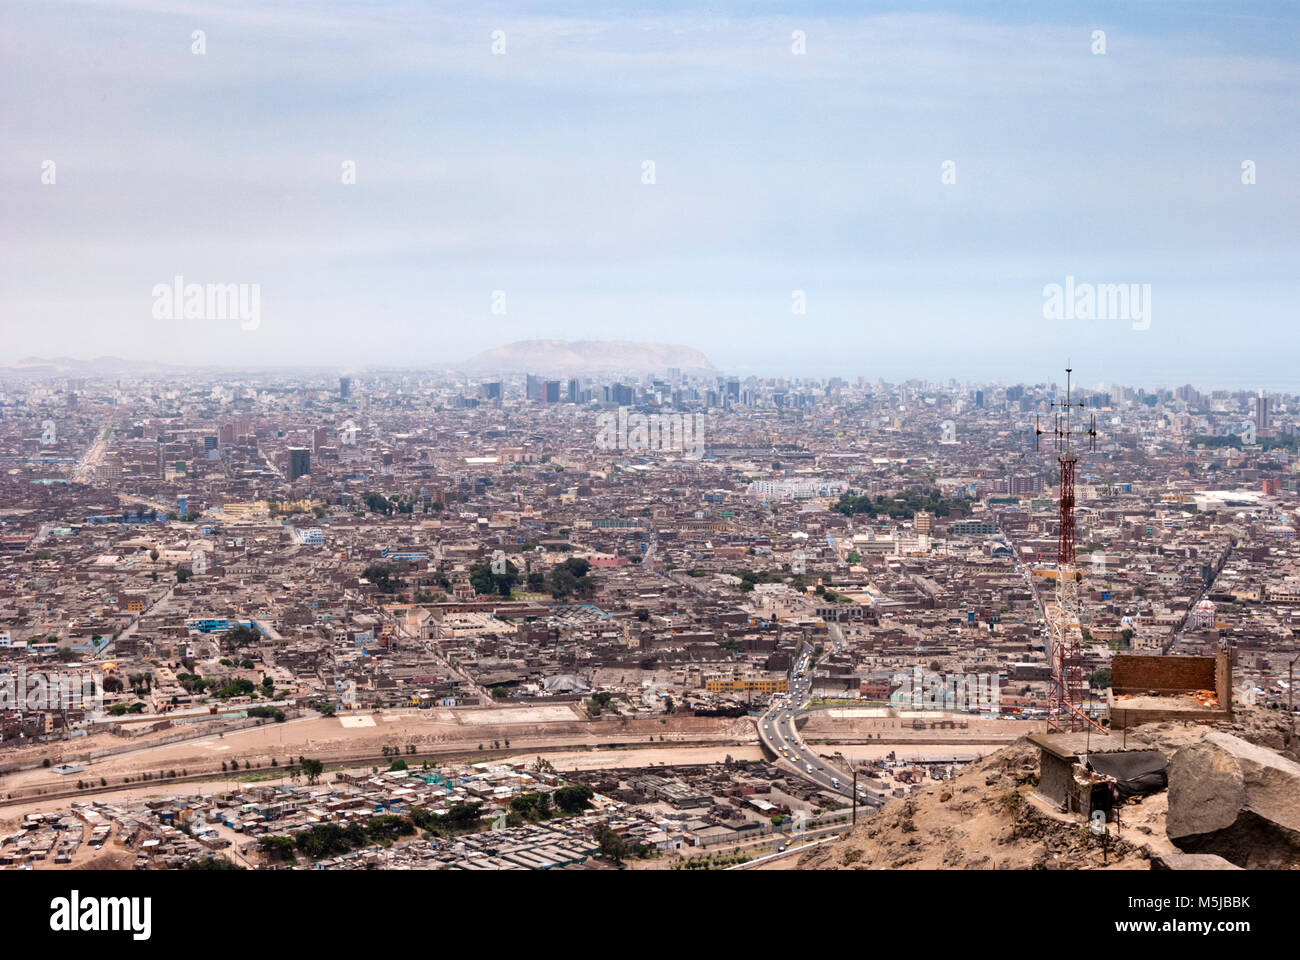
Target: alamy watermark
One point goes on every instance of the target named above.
(179, 300)
(651, 432)
(1098, 301)
(43, 690)
(961, 692)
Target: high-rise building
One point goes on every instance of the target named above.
(533, 387)
(345, 387)
(1262, 417)
(551, 393)
(620, 394)
(1018, 486)
(299, 463)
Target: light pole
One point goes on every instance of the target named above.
(1290, 693)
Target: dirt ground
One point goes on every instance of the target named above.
(356, 736)
(987, 818)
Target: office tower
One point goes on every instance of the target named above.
(1262, 418)
(318, 440)
(299, 462)
(533, 387)
(345, 387)
(492, 391)
(551, 391)
(619, 394)
(574, 390)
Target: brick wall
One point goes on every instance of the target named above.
(1136, 674)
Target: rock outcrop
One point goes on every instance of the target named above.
(1236, 800)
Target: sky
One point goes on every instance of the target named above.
(502, 196)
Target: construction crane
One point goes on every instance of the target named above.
(1065, 704)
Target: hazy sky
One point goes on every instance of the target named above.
(774, 172)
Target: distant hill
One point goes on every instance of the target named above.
(71, 366)
(561, 357)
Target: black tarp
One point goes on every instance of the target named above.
(1136, 772)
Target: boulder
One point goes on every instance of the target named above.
(1190, 861)
(1235, 800)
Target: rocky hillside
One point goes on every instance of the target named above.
(1233, 798)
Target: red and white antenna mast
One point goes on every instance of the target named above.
(1065, 708)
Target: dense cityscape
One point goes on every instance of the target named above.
(400, 619)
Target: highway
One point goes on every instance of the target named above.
(777, 731)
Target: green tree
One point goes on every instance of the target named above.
(574, 798)
(312, 768)
(486, 582)
(612, 846)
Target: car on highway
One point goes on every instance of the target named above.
(808, 768)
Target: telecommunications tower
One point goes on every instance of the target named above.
(1065, 708)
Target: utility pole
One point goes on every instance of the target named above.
(1290, 693)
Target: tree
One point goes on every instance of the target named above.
(212, 863)
(381, 575)
(486, 582)
(277, 847)
(570, 577)
(574, 798)
(612, 846)
(312, 768)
